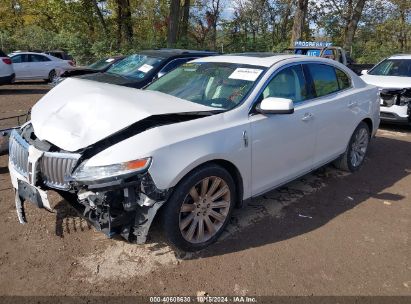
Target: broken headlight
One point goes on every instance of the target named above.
(86, 173)
(389, 101)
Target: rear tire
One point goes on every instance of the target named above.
(354, 155)
(199, 208)
(52, 76)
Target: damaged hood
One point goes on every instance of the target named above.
(78, 113)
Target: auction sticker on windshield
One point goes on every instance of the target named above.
(245, 74)
(145, 68)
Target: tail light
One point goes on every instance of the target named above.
(6, 60)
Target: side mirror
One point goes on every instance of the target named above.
(364, 72)
(275, 105)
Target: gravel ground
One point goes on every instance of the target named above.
(328, 233)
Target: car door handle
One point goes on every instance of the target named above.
(307, 117)
(352, 104)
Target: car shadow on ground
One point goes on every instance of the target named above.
(340, 195)
(68, 220)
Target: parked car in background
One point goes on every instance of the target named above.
(196, 142)
(140, 69)
(7, 74)
(99, 66)
(393, 77)
(62, 55)
(36, 66)
(327, 50)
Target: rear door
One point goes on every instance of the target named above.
(40, 66)
(21, 66)
(334, 110)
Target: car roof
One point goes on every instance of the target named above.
(400, 56)
(167, 53)
(244, 58)
(25, 53)
(256, 54)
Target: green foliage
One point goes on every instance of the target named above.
(89, 32)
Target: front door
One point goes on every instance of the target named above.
(283, 145)
(21, 66)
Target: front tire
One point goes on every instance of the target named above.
(199, 208)
(353, 157)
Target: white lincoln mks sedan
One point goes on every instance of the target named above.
(193, 145)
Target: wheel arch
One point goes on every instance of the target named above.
(369, 123)
(232, 170)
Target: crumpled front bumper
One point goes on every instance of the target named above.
(125, 206)
(25, 192)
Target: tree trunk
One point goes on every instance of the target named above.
(299, 18)
(214, 16)
(173, 23)
(128, 24)
(352, 25)
(119, 22)
(285, 21)
(184, 24)
(100, 17)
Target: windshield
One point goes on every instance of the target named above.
(393, 67)
(136, 66)
(218, 85)
(101, 64)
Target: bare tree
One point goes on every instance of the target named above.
(100, 17)
(352, 24)
(213, 17)
(299, 20)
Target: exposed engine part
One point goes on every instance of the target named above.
(127, 210)
(400, 97)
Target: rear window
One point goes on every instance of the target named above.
(324, 78)
(344, 81)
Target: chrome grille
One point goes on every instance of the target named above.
(56, 167)
(19, 153)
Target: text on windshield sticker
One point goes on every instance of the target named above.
(145, 68)
(245, 74)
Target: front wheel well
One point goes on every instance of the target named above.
(368, 121)
(235, 174)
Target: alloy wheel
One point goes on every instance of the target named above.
(359, 147)
(204, 210)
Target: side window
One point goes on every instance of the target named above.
(344, 81)
(324, 78)
(288, 83)
(38, 58)
(18, 58)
